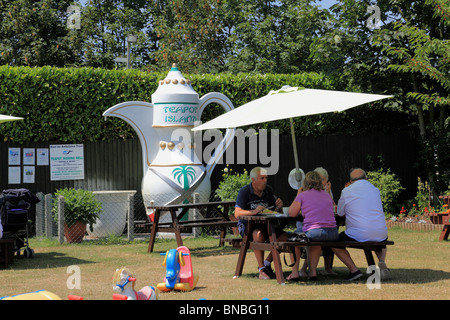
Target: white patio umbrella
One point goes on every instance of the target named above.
(290, 102)
(4, 118)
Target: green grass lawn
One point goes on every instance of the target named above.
(419, 263)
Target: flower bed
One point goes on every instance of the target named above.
(423, 222)
(418, 213)
(414, 225)
(419, 218)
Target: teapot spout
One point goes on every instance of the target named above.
(139, 115)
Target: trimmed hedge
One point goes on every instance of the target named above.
(66, 104)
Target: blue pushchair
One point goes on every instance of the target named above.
(14, 213)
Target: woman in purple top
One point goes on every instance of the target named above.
(319, 224)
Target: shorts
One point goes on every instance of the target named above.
(344, 237)
(260, 226)
(323, 234)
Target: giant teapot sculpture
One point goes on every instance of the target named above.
(172, 171)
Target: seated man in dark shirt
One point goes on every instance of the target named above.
(252, 199)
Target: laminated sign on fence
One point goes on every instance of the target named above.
(66, 162)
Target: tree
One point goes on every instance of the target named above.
(191, 33)
(105, 26)
(237, 36)
(346, 51)
(35, 33)
(275, 36)
(420, 50)
(407, 55)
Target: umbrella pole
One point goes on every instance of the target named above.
(298, 176)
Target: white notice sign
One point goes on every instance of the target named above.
(66, 162)
(42, 157)
(13, 175)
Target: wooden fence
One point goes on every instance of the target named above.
(117, 165)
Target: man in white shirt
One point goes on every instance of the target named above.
(361, 205)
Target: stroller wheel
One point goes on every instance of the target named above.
(28, 253)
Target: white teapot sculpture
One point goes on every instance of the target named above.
(172, 171)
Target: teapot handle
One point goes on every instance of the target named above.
(227, 105)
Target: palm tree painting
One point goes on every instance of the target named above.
(185, 172)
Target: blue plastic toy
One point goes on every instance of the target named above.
(179, 274)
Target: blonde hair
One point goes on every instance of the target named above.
(312, 181)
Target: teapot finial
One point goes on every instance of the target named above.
(174, 67)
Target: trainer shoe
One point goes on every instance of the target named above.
(269, 272)
(353, 276)
(385, 273)
(263, 275)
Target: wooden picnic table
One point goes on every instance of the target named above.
(438, 217)
(445, 199)
(446, 228)
(176, 225)
(442, 218)
(274, 246)
(271, 221)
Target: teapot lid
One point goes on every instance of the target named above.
(175, 101)
(175, 81)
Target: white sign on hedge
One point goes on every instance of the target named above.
(66, 162)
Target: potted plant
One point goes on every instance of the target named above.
(229, 187)
(80, 209)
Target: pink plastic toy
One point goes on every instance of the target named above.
(124, 282)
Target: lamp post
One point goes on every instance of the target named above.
(130, 39)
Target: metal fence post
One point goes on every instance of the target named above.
(40, 210)
(61, 219)
(196, 214)
(48, 216)
(130, 217)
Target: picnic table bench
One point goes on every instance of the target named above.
(276, 246)
(178, 211)
(442, 218)
(438, 217)
(446, 229)
(445, 199)
(367, 246)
